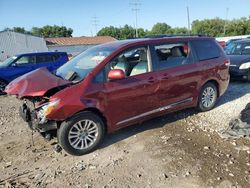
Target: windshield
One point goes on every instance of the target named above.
(235, 48)
(8, 61)
(79, 67)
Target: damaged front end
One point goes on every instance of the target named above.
(36, 89)
(35, 114)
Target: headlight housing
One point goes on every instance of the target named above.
(245, 65)
(46, 109)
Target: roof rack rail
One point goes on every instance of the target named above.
(175, 35)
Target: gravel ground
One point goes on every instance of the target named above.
(229, 107)
(181, 149)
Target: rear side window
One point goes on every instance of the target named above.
(206, 49)
(43, 58)
(172, 55)
(55, 57)
(47, 58)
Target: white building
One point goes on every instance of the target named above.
(12, 43)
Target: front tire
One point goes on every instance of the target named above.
(207, 97)
(3, 84)
(81, 134)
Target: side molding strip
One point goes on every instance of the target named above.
(156, 110)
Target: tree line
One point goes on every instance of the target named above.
(46, 31)
(215, 27)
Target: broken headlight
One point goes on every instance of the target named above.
(45, 110)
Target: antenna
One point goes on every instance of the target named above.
(95, 23)
(136, 9)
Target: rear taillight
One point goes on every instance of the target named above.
(227, 62)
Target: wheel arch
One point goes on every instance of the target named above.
(215, 82)
(93, 110)
(4, 80)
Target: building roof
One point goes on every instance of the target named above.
(17, 33)
(67, 41)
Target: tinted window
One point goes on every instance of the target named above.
(47, 58)
(172, 55)
(43, 58)
(206, 49)
(246, 49)
(55, 57)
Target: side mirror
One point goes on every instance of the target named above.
(116, 74)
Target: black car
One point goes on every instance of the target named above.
(239, 54)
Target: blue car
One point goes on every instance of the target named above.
(18, 65)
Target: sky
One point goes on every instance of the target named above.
(80, 15)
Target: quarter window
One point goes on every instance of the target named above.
(206, 49)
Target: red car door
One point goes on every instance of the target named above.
(133, 98)
(177, 73)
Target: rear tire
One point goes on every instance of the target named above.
(207, 97)
(81, 133)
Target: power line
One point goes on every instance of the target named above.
(95, 22)
(136, 9)
(188, 19)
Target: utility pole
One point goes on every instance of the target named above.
(136, 9)
(188, 19)
(95, 23)
(225, 24)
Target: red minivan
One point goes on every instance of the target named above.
(117, 84)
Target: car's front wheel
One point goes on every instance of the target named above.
(208, 97)
(3, 84)
(81, 134)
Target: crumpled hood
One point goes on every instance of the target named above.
(238, 59)
(35, 83)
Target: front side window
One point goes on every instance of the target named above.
(26, 60)
(79, 67)
(132, 62)
(172, 55)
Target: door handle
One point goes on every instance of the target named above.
(165, 76)
(151, 80)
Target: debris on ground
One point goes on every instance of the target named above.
(239, 127)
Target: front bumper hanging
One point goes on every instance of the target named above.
(30, 117)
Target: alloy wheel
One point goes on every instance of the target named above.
(83, 134)
(208, 97)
